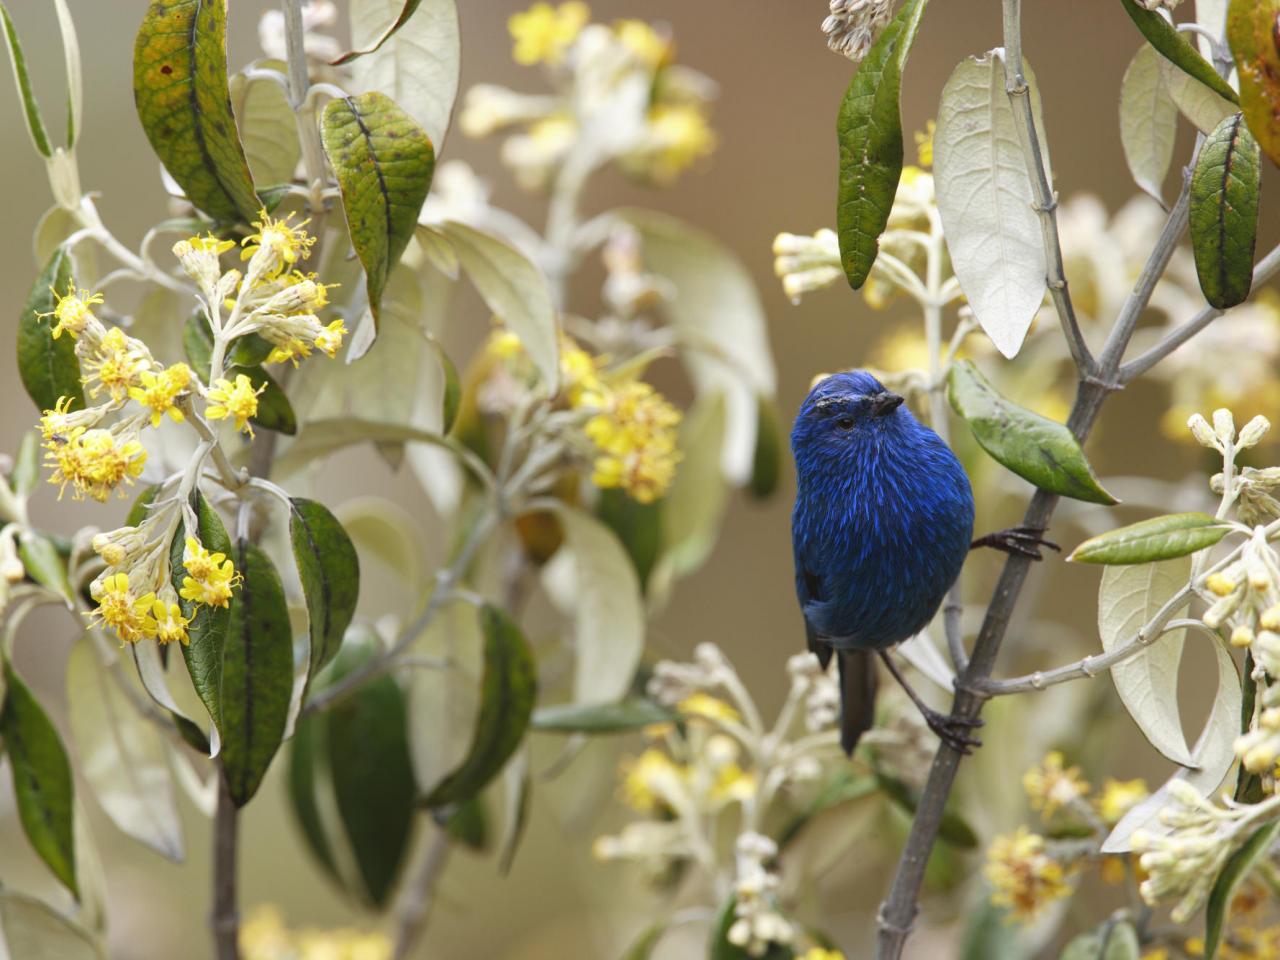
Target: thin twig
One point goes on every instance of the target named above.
(225, 919)
(897, 913)
(1266, 268)
(1046, 205)
(415, 902)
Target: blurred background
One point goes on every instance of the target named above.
(774, 169)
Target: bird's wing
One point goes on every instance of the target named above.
(809, 589)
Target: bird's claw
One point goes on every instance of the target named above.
(954, 731)
(1023, 541)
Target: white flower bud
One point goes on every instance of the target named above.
(1224, 425)
(1201, 430)
(1253, 431)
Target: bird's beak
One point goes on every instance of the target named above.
(884, 403)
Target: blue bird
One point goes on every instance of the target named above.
(883, 521)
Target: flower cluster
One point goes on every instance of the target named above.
(1023, 876)
(758, 923)
(134, 593)
(619, 97)
(265, 936)
(853, 25)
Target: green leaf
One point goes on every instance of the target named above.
(410, 6)
(330, 574)
(372, 774)
(869, 129)
(1160, 538)
(207, 630)
(766, 466)
(197, 344)
(141, 506)
(469, 824)
(513, 287)
(622, 717)
(48, 367)
(42, 783)
(417, 65)
(1224, 212)
(1036, 448)
(1176, 48)
(183, 98)
(1251, 33)
(643, 946)
(308, 773)
(721, 949)
(33, 929)
(638, 526)
(1235, 870)
(257, 673)
(1111, 941)
(517, 788)
(384, 162)
(268, 126)
(30, 108)
(954, 830)
(507, 694)
(26, 466)
(75, 81)
(44, 564)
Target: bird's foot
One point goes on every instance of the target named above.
(955, 732)
(1023, 541)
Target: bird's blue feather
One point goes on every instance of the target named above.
(883, 517)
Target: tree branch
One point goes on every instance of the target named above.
(419, 894)
(897, 913)
(1266, 268)
(225, 919)
(1046, 205)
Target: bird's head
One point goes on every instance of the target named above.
(845, 411)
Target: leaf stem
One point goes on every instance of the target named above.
(1046, 205)
(415, 903)
(305, 110)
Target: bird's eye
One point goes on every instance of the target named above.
(845, 423)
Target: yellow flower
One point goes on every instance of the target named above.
(57, 424)
(649, 46)
(1022, 876)
(903, 349)
(170, 623)
(72, 311)
(119, 608)
(579, 375)
(238, 400)
(276, 247)
(329, 340)
(209, 244)
(94, 462)
(543, 33)
(116, 365)
(818, 953)
(650, 781)
(924, 144)
(1051, 785)
(1119, 797)
(636, 438)
(211, 576)
(707, 707)
(119, 547)
(679, 135)
(159, 390)
(291, 352)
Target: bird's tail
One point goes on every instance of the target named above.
(857, 696)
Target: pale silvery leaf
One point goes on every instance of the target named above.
(268, 125)
(716, 312)
(592, 581)
(121, 754)
(516, 787)
(437, 250)
(146, 657)
(201, 788)
(920, 652)
(417, 67)
(91, 879)
(515, 290)
(442, 703)
(75, 78)
(696, 502)
(437, 470)
(1148, 120)
(386, 534)
(1204, 108)
(33, 930)
(1148, 683)
(985, 199)
(1214, 756)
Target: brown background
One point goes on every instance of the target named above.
(774, 170)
